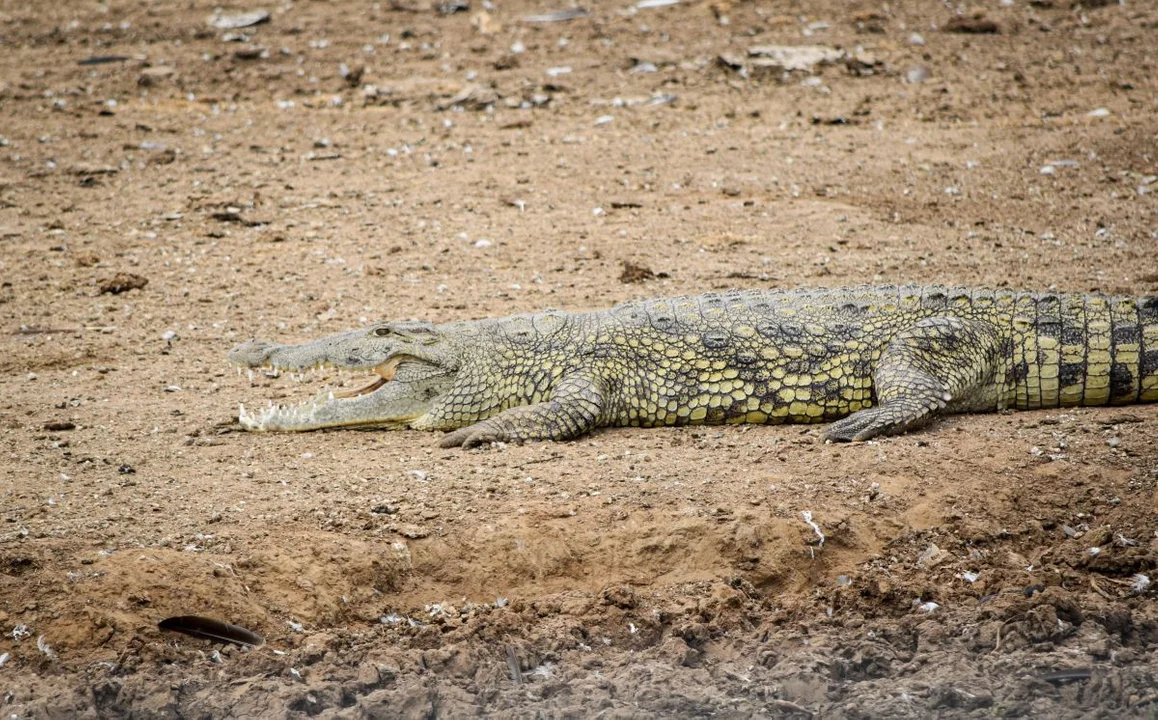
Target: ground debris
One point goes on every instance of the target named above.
(633, 273)
(122, 282)
(557, 16)
(972, 25)
(239, 20)
(211, 629)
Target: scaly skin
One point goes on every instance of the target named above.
(871, 360)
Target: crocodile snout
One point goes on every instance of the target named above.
(252, 353)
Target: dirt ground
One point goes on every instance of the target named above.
(169, 188)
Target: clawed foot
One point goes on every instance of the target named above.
(472, 436)
(859, 426)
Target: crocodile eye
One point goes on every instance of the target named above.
(382, 332)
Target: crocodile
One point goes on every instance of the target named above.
(871, 361)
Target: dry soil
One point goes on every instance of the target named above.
(169, 188)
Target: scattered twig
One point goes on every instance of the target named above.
(1098, 590)
(807, 515)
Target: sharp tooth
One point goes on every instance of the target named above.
(331, 396)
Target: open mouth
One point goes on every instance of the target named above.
(385, 373)
(321, 411)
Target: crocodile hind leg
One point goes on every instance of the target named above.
(574, 408)
(938, 361)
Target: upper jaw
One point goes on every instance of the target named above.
(309, 356)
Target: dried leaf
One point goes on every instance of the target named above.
(210, 629)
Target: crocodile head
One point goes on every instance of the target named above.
(414, 363)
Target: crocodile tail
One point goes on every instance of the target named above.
(1117, 364)
(1075, 349)
(1148, 349)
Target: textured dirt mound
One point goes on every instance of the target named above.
(176, 178)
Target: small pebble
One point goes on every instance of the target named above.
(917, 75)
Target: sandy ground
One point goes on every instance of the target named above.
(169, 188)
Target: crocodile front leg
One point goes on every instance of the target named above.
(938, 361)
(574, 408)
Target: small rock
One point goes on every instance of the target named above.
(153, 75)
(931, 557)
(621, 596)
(472, 97)
(122, 282)
(1099, 113)
(239, 20)
(918, 74)
(352, 76)
(633, 273)
(792, 58)
(484, 23)
(250, 52)
(368, 675)
(450, 7)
